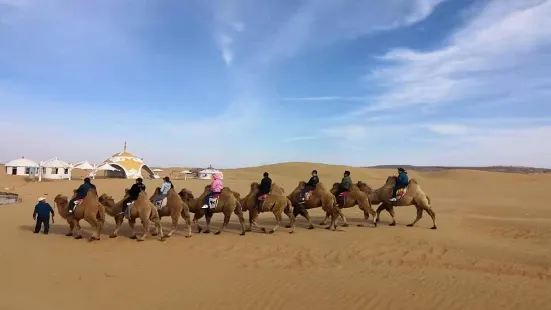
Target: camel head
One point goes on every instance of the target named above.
(106, 200)
(254, 186)
(364, 187)
(300, 186)
(157, 192)
(186, 195)
(335, 188)
(60, 200)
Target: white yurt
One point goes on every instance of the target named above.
(55, 169)
(206, 174)
(21, 166)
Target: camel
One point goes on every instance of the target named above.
(320, 197)
(351, 198)
(174, 207)
(226, 203)
(275, 201)
(89, 209)
(414, 196)
(141, 208)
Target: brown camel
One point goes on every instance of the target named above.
(320, 197)
(227, 203)
(275, 201)
(351, 198)
(141, 208)
(89, 209)
(174, 207)
(414, 195)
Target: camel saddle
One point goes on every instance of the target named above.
(213, 201)
(307, 195)
(159, 204)
(401, 192)
(77, 203)
(342, 198)
(260, 202)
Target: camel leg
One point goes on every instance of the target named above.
(91, 219)
(419, 216)
(78, 234)
(132, 224)
(118, 223)
(378, 212)
(196, 217)
(390, 210)
(145, 227)
(208, 217)
(71, 228)
(159, 228)
(224, 224)
(432, 215)
(305, 214)
(187, 218)
(278, 219)
(327, 215)
(253, 213)
(155, 231)
(174, 226)
(341, 215)
(291, 220)
(254, 219)
(239, 212)
(334, 218)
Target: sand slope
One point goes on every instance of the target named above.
(492, 251)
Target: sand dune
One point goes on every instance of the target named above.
(492, 251)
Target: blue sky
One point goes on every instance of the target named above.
(251, 82)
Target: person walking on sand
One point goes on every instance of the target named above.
(41, 214)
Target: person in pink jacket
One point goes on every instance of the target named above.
(215, 188)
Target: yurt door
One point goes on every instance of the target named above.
(14, 171)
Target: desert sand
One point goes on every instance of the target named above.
(492, 250)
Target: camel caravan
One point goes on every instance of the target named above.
(85, 204)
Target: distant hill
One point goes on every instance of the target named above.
(507, 169)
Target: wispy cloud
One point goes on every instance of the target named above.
(300, 138)
(326, 98)
(501, 54)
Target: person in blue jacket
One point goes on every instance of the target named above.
(41, 214)
(401, 182)
(82, 191)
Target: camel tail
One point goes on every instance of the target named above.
(100, 216)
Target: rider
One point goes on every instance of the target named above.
(215, 188)
(167, 185)
(401, 182)
(311, 185)
(133, 193)
(81, 193)
(264, 188)
(345, 184)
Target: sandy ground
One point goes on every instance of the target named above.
(491, 251)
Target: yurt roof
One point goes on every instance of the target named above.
(21, 162)
(55, 163)
(126, 160)
(210, 171)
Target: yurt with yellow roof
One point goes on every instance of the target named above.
(128, 166)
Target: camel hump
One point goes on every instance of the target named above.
(413, 181)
